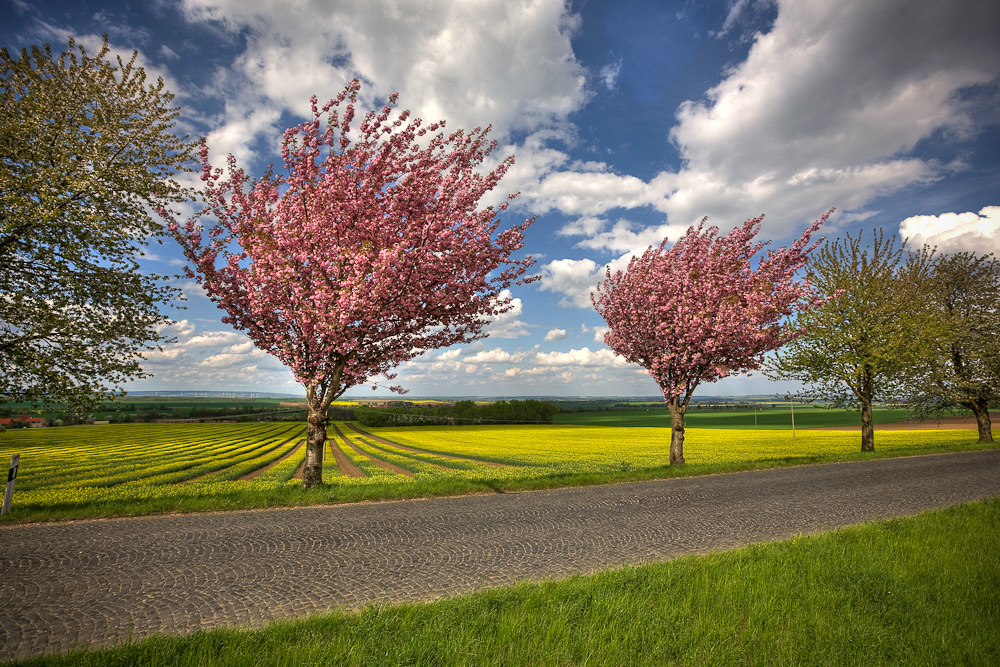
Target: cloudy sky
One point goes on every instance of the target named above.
(630, 120)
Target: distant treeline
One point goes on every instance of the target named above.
(462, 412)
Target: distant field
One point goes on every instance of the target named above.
(769, 418)
(123, 469)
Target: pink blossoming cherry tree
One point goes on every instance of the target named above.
(698, 311)
(369, 250)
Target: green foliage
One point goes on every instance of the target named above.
(962, 365)
(462, 412)
(89, 155)
(764, 418)
(857, 346)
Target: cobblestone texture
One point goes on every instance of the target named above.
(98, 583)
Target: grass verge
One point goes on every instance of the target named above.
(917, 591)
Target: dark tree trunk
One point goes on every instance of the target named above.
(980, 408)
(315, 442)
(867, 425)
(677, 411)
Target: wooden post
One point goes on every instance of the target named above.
(8, 493)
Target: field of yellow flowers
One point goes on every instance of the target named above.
(126, 465)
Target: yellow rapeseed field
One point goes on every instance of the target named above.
(87, 465)
(596, 448)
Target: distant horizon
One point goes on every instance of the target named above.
(211, 393)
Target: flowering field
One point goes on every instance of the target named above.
(132, 462)
(117, 465)
(566, 449)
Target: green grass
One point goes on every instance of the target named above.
(779, 418)
(915, 591)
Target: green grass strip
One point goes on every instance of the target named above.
(915, 591)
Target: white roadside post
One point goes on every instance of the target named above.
(8, 493)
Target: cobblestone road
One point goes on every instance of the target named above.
(97, 583)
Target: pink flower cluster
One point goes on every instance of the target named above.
(368, 250)
(698, 311)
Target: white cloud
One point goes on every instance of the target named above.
(577, 279)
(581, 357)
(509, 324)
(496, 355)
(212, 339)
(442, 59)
(823, 113)
(609, 74)
(825, 107)
(213, 360)
(735, 9)
(627, 236)
(955, 232)
(239, 348)
(591, 193)
(555, 334)
(161, 356)
(585, 226)
(599, 333)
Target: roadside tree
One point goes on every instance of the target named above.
(698, 311)
(371, 250)
(962, 367)
(89, 157)
(857, 348)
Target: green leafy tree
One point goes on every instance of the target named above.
(89, 157)
(962, 367)
(858, 346)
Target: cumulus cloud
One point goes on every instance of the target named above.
(826, 106)
(213, 360)
(212, 339)
(577, 279)
(593, 191)
(629, 236)
(581, 357)
(496, 355)
(239, 348)
(441, 59)
(555, 334)
(824, 112)
(599, 333)
(955, 232)
(509, 324)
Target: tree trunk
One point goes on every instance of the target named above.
(867, 425)
(315, 442)
(980, 408)
(676, 431)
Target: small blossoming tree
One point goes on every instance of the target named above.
(698, 311)
(369, 251)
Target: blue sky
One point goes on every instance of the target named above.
(630, 120)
